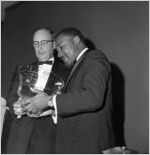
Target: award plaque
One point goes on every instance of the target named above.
(28, 77)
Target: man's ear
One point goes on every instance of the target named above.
(76, 40)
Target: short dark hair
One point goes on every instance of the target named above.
(71, 31)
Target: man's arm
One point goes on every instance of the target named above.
(90, 95)
(13, 101)
(12, 96)
(37, 103)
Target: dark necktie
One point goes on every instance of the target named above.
(45, 62)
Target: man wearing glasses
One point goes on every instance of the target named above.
(29, 133)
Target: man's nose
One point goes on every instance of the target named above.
(40, 47)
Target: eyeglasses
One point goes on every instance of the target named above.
(43, 43)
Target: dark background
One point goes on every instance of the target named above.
(119, 29)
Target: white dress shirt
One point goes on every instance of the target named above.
(43, 75)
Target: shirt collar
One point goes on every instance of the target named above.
(51, 59)
(81, 53)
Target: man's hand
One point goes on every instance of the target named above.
(18, 107)
(37, 103)
(34, 115)
(43, 114)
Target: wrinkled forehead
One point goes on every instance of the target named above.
(42, 35)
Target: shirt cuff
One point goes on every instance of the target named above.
(55, 107)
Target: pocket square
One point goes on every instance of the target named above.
(58, 83)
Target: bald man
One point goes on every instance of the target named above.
(30, 134)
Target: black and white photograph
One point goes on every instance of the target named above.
(74, 77)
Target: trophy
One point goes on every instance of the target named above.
(27, 78)
(28, 81)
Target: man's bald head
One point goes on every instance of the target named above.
(43, 44)
(43, 32)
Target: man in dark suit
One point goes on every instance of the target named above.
(83, 110)
(29, 134)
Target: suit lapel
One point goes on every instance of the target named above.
(74, 68)
(53, 70)
(55, 67)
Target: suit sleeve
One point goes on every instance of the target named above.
(90, 95)
(12, 93)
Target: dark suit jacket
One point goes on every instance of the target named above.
(85, 107)
(29, 135)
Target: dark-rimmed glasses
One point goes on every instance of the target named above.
(43, 43)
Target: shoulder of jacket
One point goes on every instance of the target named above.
(96, 54)
(99, 57)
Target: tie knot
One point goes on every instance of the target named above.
(45, 62)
